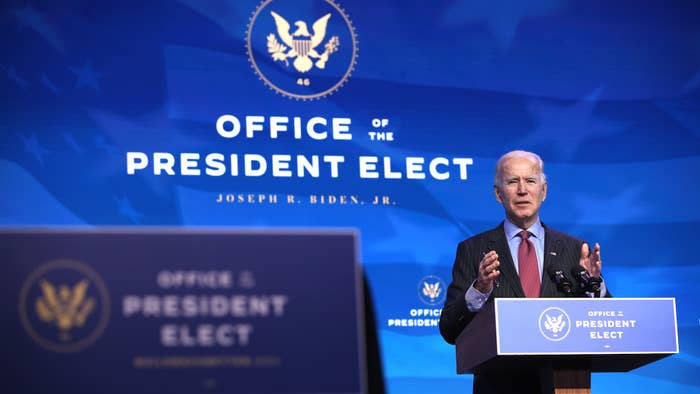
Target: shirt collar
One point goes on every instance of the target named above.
(512, 230)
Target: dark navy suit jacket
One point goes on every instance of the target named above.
(560, 250)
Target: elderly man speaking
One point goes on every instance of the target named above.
(510, 261)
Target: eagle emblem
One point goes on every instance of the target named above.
(66, 307)
(431, 291)
(301, 44)
(555, 324)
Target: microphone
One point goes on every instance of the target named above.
(563, 283)
(587, 282)
(557, 274)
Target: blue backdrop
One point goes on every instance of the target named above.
(607, 93)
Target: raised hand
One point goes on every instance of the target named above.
(590, 260)
(488, 272)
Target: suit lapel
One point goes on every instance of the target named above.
(509, 276)
(552, 254)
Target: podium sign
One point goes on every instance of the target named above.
(565, 339)
(556, 326)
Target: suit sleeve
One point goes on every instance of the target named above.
(455, 315)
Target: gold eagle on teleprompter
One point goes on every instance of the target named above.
(65, 307)
(301, 45)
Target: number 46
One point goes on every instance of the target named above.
(303, 81)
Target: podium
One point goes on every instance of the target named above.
(568, 338)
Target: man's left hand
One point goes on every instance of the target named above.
(590, 260)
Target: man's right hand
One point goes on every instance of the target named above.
(488, 272)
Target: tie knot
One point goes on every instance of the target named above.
(524, 234)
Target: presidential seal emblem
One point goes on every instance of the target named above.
(302, 49)
(64, 306)
(431, 290)
(554, 324)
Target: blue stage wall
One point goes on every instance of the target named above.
(191, 113)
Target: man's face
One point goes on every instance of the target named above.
(520, 190)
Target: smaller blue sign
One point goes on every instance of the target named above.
(586, 325)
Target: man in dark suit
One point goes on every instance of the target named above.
(512, 260)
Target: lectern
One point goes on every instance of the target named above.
(568, 338)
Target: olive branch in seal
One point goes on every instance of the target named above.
(276, 49)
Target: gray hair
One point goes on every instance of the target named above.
(534, 157)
